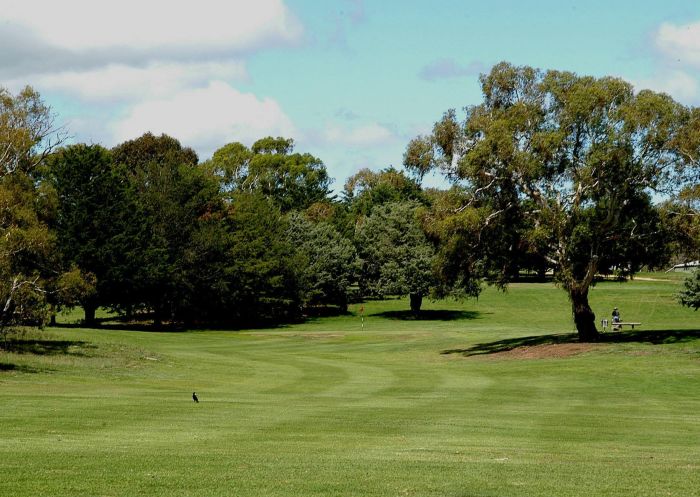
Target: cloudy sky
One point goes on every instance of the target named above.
(350, 80)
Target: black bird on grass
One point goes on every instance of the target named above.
(194, 397)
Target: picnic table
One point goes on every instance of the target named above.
(617, 326)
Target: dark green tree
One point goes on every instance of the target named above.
(577, 156)
(262, 263)
(689, 296)
(168, 196)
(329, 262)
(397, 258)
(92, 204)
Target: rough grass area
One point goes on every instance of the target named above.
(484, 398)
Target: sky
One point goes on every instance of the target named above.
(351, 81)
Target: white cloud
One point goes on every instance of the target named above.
(679, 84)
(78, 25)
(678, 61)
(118, 82)
(680, 42)
(361, 136)
(123, 68)
(206, 118)
(85, 35)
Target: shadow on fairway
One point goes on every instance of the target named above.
(654, 337)
(111, 325)
(47, 347)
(429, 315)
(4, 366)
(143, 322)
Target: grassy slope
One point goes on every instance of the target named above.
(326, 408)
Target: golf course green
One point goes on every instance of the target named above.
(487, 397)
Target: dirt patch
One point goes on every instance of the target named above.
(547, 351)
(309, 336)
(319, 336)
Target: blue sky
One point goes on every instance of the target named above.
(352, 81)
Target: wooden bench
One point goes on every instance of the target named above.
(617, 326)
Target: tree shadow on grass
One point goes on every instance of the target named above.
(47, 347)
(4, 366)
(429, 315)
(144, 323)
(654, 337)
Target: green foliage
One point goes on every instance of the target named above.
(92, 211)
(263, 263)
(74, 288)
(167, 196)
(397, 258)
(27, 132)
(27, 135)
(689, 296)
(419, 156)
(148, 148)
(681, 220)
(330, 263)
(295, 181)
(367, 189)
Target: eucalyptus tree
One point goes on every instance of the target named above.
(366, 189)
(27, 136)
(577, 157)
(293, 180)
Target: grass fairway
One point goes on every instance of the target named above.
(402, 408)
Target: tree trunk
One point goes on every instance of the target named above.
(584, 317)
(416, 302)
(90, 314)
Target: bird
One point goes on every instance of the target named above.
(194, 397)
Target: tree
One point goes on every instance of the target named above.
(689, 296)
(295, 181)
(241, 268)
(681, 219)
(91, 194)
(575, 156)
(168, 197)
(367, 189)
(396, 256)
(27, 136)
(262, 263)
(330, 262)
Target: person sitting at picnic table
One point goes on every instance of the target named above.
(615, 315)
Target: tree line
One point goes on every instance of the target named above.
(553, 173)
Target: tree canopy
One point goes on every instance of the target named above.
(295, 181)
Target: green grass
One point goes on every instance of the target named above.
(401, 407)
